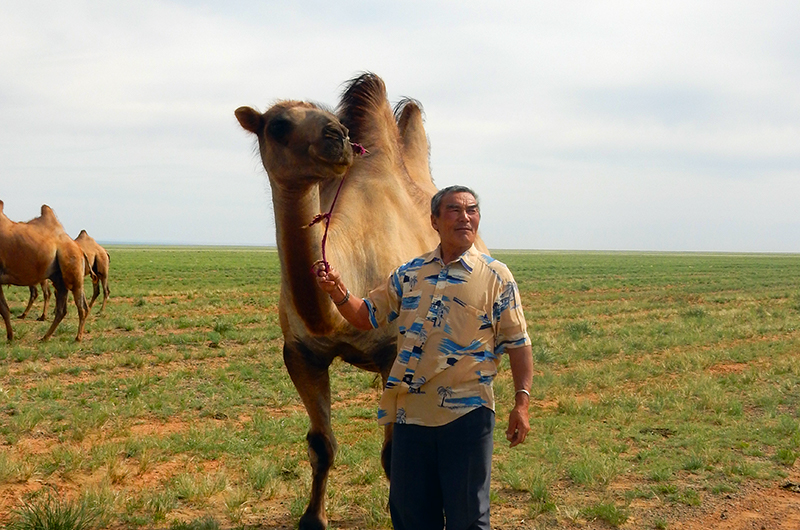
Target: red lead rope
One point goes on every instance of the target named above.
(359, 150)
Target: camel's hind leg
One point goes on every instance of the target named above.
(313, 384)
(384, 358)
(101, 280)
(95, 291)
(106, 290)
(6, 313)
(61, 305)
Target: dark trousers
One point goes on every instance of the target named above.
(441, 475)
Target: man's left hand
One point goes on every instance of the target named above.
(521, 361)
(518, 426)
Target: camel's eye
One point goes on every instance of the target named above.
(279, 130)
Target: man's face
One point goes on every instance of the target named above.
(458, 220)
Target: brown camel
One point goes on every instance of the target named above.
(38, 250)
(381, 219)
(33, 296)
(97, 265)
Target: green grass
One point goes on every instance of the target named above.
(669, 379)
(51, 513)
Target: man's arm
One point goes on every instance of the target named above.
(352, 308)
(521, 360)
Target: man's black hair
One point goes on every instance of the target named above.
(436, 200)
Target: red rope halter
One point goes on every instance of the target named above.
(359, 150)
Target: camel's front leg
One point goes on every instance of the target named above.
(46, 296)
(310, 377)
(34, 294)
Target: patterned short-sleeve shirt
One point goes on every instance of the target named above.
(455, 320)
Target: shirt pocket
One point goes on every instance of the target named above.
(463, 324)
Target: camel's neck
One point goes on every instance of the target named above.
(299, 247)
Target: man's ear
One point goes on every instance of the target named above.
(434, 224)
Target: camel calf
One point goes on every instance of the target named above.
(38, 250)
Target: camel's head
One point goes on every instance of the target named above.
(300, 143)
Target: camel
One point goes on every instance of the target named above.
(381, 220)
(97, 265)
(38, 250)
(33, 296)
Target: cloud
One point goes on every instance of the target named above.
(658, 125)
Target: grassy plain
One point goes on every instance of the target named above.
(664, 383)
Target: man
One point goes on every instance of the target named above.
(458, 310)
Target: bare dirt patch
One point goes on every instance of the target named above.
(760, 507)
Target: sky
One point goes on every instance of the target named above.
(606, 125)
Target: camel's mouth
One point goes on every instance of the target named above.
(341, 169)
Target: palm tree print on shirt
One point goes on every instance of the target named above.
(445, 392)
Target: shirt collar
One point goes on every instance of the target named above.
(467, 259)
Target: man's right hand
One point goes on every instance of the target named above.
(329, 281)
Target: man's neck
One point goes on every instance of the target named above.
(451, 254)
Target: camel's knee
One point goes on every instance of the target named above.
(61, 309)
(321, 451)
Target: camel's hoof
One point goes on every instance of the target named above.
(311, 521)
(40, 319)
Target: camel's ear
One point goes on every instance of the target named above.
(1, 206)
(250, 119)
